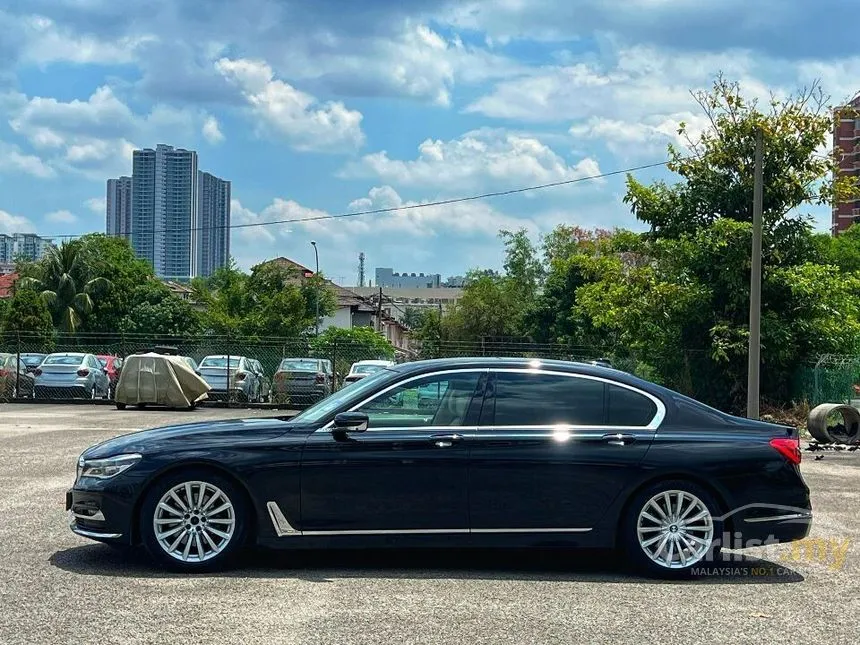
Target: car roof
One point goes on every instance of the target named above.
(222, 356)
(302, 358)
(70, 354)
(373, 362)
(480, 362)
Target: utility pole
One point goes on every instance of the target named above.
(317, 276)
(755, 284)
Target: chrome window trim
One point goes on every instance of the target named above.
(465, 370)
(653, 425)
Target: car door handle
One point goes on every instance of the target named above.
(618, 439)
(445, 440)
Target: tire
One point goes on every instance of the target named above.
(120, 406)
(140, 406)
(695, 500)
(232, 521)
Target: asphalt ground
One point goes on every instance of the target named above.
(58, 588)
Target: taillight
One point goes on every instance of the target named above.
(320, 379)
(240, 376)
(4, 373)
(83, 372)
(788, 448)
(37, 372)
(280, 376)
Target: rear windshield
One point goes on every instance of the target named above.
(299, 365)
(219, 361)
(32, 360)
(366, 369)
(64, 360)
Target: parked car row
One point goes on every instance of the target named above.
(301, 380)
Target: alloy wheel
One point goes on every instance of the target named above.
(194, 521)
(675, 529)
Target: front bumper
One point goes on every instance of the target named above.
(99, 516)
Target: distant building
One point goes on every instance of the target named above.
(846, 137)
(118, 216)
(212, 239)
(28, 246)
(7, 283)
(178, 217)
(455, 281)
(386, 277)
(164, 209)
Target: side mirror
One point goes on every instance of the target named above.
(351, 422)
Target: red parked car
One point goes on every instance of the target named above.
(113, 367)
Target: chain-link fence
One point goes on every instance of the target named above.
(831, 378)
(287, 372)
(291, 372)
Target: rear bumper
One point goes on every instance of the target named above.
(70, 391)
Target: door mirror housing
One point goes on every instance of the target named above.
(351, 422)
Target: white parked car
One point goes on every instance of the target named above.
(360, 369)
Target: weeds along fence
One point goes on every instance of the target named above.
(42, 376)
(830, 378)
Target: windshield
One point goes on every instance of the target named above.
(219, 361)
(32, 360)
(299, 365)
(344, 396)
(64, 360)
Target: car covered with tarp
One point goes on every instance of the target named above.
(156, 379)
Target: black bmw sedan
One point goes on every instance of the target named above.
(498, 453)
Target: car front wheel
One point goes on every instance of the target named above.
(193, 520)
(672, 528)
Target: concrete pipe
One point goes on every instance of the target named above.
(847, 431)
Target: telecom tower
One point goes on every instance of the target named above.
(361, 269)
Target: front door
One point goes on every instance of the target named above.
(554, 450)
(407, 473)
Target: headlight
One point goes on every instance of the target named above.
(106, 468)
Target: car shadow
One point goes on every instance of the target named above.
(463, 564)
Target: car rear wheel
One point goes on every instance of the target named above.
(671, 528)
(193, 520)
(120, 406)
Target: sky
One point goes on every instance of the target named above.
(337, 106)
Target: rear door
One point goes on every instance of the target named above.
(554, 449)
(407, 474)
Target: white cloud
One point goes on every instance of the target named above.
(97, 205)
(10, 223)
(645, 138)
(13, 160)
(212, 131)
(303, 121)
(61, 217)
(47, 42)
(482, 158)
(415, 62)
(636, 82)
(94, 137)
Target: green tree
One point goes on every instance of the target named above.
(350, 345)
(114, 258)
(155, 311)
(66, 284)
(274, 300)
(27, 317)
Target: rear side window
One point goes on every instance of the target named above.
(535, 399)
(629, 408)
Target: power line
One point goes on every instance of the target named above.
(391, 209)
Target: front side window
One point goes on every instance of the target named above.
(538, 399)
(437, 400)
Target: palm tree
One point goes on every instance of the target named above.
(64, 284)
